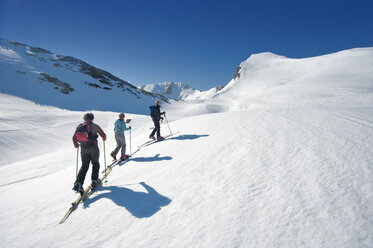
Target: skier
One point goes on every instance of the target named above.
(156, 117)
(119, 128)
(86, 135)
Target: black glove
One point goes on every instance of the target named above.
(163, 113)
(161, 118)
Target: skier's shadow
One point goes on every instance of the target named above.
(139, 204)
(189, 136)
(151, 159)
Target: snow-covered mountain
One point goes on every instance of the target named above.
(179, 91)
(46, 78)
(340, 79)
(281, 157)
(267, 80)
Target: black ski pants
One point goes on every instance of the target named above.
(89, 153)
(157, 128)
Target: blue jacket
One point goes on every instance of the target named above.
(120, 127)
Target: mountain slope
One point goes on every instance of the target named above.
(267, 80)
(330, 80)
(46, 78)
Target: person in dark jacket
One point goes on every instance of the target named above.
(156, 117)
(86, 135)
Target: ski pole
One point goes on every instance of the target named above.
(105, 161)
(130, 141)
(167, 123)
(77, 160)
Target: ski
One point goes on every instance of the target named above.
(165, 137)
(156, 141)
(144, 144)
(117, 162)
(114, 161)
(126, 160)
(75, 204)
(111, 165)
(87, 192)
(91, 190)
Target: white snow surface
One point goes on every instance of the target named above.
(282, 157)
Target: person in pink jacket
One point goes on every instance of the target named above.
(86, 135)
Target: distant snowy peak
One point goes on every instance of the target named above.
(179, 91)
(204, 95)
(44, 77)
(171, 90)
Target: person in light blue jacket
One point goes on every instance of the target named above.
(119, 128)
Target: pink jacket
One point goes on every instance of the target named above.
(96, 129)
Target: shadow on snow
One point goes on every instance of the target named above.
(139, 204)
(188, 137)
(150, 159)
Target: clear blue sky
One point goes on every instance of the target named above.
(196, 42)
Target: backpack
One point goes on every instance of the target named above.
(84, 134)
(152, 110)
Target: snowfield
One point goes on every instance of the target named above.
(286, 162)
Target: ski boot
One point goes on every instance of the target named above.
(113, 155)
(122, 158)
(78, 187)
(94, 184)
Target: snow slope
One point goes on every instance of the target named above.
(46, 78)
(264, 164)
(267, 80)
(338, 79)
(265, 178)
